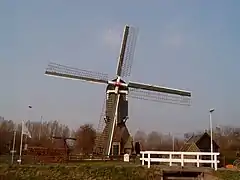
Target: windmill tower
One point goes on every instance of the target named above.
(113, 134)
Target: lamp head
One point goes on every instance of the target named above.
(211, 110)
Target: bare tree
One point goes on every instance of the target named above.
(6, 134)
(85, 135)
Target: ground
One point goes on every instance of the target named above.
(97, 170)
(106, 171)
(228, 174)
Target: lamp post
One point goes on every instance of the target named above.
(211, 134)
(28, 119)
(21, 140)
(173, 142)
(13, 145)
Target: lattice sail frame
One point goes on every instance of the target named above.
(159, 97)
(129, 51)
(63, 71)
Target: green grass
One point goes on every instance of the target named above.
(228, 174)
(6, 159)
(92, 171)
(101, 171)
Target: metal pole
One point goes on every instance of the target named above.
(173, 142)
(211, 134)
(29, 119)
(13, 147)
(20, 150)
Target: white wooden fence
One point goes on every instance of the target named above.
(179, 157)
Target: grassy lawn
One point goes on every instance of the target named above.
(228, 174)
(92, 170)
(98, 170)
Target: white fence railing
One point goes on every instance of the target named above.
(180, 157)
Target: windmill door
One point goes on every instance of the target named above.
(116, 148)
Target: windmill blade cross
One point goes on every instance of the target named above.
(63, 71)
(127, 51)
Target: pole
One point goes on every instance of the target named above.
(20, 150)
(40, 129)
(173, 142)
(13, 147)
(211, 134)
(29, 117)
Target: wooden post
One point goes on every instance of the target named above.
(170, 159)
(197, 160)
(215, 162)
(143, 160)
(149, 160)
(182, 160)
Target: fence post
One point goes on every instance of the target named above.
(182, 159)
(197, 160)
(149, 160)
(215, 162)
(170, 159)
(143, 160)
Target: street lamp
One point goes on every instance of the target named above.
(28, 119)
(211, 134)
(21, 141)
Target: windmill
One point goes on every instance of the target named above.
(114, 134)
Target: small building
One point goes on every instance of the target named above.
(200, 143)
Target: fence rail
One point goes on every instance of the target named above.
(180, 157)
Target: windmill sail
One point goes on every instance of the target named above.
(159, 93)
(63, 71)
(159, 97)
(99, 141)
(159, 89)
(127, 51)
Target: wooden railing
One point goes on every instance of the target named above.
(180, 157)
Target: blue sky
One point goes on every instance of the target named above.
(187, 44)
